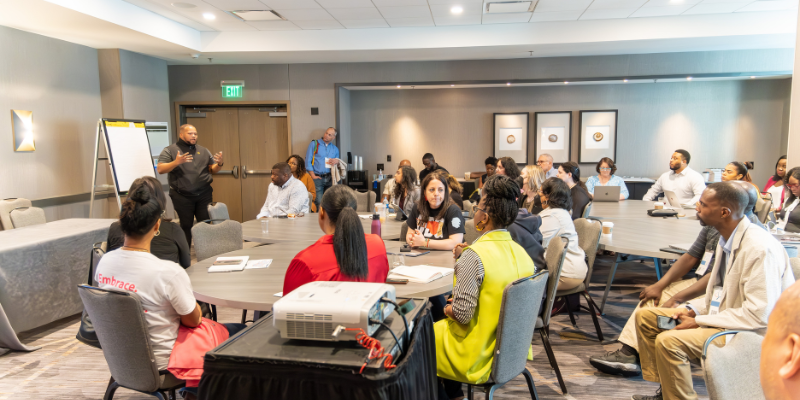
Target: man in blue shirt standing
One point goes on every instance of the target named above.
(320, 158)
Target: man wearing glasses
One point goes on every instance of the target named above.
(545, 162)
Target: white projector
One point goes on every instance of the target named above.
(315, 310)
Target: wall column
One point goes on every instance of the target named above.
(793, 145)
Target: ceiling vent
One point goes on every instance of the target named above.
(507, 7)
(258, 15)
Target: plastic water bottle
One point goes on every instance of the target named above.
(375, 229)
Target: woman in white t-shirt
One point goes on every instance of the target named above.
(163, 286)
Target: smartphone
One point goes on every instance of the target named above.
(666, 323)
(397, 281)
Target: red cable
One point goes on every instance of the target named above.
(376, 351)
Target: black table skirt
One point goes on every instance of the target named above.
(414, 377)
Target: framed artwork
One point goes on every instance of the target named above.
(552, 135)
(511, 136)
(598, 135)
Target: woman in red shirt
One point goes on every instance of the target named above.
(345, 253)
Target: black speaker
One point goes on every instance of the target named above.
(349, 158)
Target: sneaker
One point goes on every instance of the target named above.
(617, 363)
(657, 396)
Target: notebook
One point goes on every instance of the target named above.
(419, 273)
(229, 264)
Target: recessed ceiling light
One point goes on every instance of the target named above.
(675, 1)
(183, 5)
(508, 83)
(398, 86)
(452, 85)
(566, 83)
(625, 80)
(209, 16)
(752, 77)
(688, 78)
(457, 9)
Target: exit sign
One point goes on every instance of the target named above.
(232, 89)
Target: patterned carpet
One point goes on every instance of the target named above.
(67, 369)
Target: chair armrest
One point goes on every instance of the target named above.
(714, 336)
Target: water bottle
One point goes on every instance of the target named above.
(386, 205)
(375, 229)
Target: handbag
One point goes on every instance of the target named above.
(86, 333)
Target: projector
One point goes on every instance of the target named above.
(315, 310)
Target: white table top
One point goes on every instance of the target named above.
(255, 289)
(306, 229)
(639, 234)
(22, 237)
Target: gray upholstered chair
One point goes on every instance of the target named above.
(366, 201)
(795, 267)
(122, 330)
(724, 367)
(521, 299)
(5, 209)
(587, 210)
(467, 209)
(86, 332)
(211, 240)
(589, 231)
(27, 216)
(218, 212)
(762, 208)
(554, 257)
(471, 233)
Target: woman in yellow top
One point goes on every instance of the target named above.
(465, 340)
(299, 171)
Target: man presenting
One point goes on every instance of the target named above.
(686, 183)
(545, 162)
(750, 271)
(189, 167)
(389, 187)
(286, 195)
(430, 166)
(320, 158)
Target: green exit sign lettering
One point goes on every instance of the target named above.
(232, 89)
(232, 92)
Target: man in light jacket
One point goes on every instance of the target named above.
(751, 270)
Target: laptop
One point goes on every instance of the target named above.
(606, 193)
(673, 202)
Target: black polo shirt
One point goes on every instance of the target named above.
(192, 177)
(425, 172)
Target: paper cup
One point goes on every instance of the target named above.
(466, 176)
(608, 228)
(658, 205)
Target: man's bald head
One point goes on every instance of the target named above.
(752, 195)
(188, 133)
(404, 163)
(780, 350)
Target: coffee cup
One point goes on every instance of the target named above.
(608, 227)
(466, 176)
(658, 205)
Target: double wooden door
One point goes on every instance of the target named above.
(251, 142)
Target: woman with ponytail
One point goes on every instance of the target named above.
(738, 171)
(345, 253)
(570, 173)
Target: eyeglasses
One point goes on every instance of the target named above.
(790, 186)
(540, 162)
(605, 169)
(475, 208)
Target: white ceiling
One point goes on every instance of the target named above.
(368, 14)
(318, 31)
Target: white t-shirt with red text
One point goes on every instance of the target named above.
(163, 287)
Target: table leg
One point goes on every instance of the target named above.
(610, 279)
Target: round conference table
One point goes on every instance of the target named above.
(638, 234)
(306, 229)
(255, 289)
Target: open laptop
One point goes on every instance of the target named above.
(606, 193)
(673, 202)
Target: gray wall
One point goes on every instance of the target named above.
(314, 85)
(60, 82)
(716, 122)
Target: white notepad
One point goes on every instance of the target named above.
(229, 264)
(419, 273)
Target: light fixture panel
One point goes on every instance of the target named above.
(505, 7)
(22, 128)
(258, 15)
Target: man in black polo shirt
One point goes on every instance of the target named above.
(189, 166)
(430, 166)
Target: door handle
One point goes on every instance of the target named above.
(236, 172)
(246, 172)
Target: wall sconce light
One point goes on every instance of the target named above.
(22, 126)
